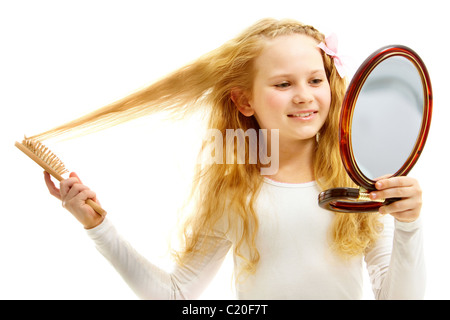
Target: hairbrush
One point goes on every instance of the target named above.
(40, 154)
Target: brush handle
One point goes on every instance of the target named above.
(56, 175)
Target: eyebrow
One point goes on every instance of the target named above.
(284, 75)
(318, 70)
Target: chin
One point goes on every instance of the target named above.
(308, 135)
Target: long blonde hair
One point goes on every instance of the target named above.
(227, 192)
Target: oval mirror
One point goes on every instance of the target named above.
(385, 119)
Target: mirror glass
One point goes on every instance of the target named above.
(387, 117)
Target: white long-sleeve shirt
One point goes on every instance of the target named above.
(296, 260)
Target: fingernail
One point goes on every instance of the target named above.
(378, 185)
(373, 196)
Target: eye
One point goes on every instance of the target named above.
(316, 81)
(283, 85)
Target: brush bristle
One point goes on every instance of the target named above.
(46, 155)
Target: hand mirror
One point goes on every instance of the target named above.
(384, 123)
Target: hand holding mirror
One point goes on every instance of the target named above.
(384, 123)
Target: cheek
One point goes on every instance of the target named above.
(275, 100)
(266, 101)
(324, 99)
(268, 106)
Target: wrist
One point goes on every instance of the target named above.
(93, 225)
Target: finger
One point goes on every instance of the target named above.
(396, 187)
(75, 190)
(54, 191)
(401, 207)
(397, 206)
(395, 211)
(68, 196)
(66, 185)
(400, 192)
(85, 195)
(395, 182)
(79, 201)
(74, 175)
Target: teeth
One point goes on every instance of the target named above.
(302, 115)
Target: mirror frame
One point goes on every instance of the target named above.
(336, 199)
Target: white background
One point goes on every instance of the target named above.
(61, 59)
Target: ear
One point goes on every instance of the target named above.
(242, 101)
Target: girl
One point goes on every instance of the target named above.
(275, 77)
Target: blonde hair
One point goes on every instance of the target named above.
(228, 192)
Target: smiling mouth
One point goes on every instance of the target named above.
(302, 115)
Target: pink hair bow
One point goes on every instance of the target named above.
(330, 47)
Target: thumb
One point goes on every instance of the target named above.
(74, 175)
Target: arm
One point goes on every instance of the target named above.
(145, 279)
(397, 264)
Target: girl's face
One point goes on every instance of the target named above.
(290, 90)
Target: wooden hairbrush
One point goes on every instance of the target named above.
(40, 154)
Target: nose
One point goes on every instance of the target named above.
(302, 95)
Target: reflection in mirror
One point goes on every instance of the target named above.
(387, 117)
